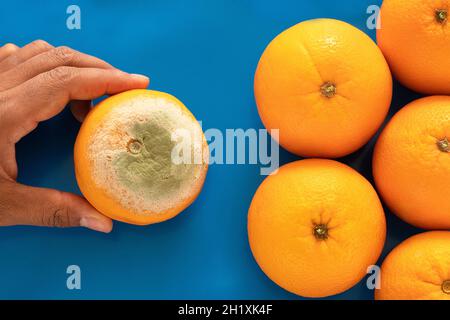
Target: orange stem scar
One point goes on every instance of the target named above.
(320, 231)
(446, 286)
(441, 16)
(328, 89)
(444, 145)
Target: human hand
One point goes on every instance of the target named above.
(36, 83)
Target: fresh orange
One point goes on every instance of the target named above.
(417, 269)
(415, 39)
(315, 227)
(411, 163)
(325, 85)
(127, 160)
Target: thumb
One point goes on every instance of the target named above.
(24, 205)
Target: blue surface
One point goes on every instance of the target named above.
(205, 53)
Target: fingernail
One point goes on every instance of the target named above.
(95, 224)
(140, 76)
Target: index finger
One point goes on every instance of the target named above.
(46, 95)
(7, 49)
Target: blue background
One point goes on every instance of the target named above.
(205, 52)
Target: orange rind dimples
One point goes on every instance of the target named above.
(415, 39)
(411, 163)
(315, 227)
(325, 85)
(417, 269)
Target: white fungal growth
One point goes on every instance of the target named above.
(130, 155)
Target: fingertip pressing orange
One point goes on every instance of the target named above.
(417, 269)
(325, 85)
(415, 39)
(315, 227)
(411, 163)
(123, 157)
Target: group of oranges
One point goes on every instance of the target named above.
(316, 225)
